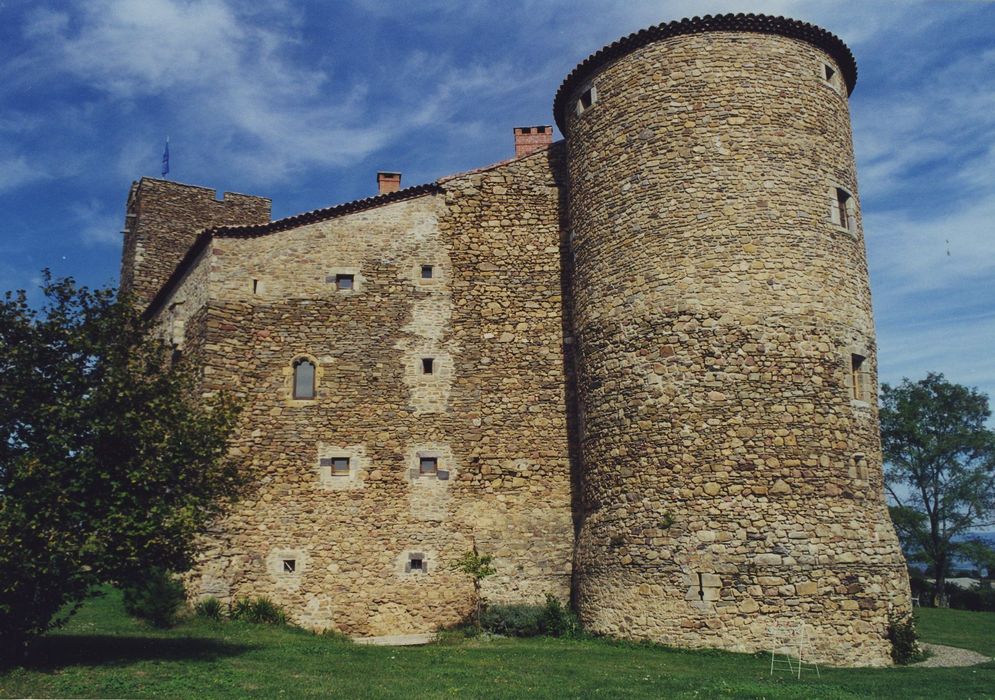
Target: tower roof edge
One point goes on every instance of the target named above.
(732, 22)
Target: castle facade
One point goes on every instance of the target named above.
(636, 366)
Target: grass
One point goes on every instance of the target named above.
(103, 653)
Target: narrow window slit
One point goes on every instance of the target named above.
(857, 372)
(842, 205)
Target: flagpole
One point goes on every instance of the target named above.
(165, 158)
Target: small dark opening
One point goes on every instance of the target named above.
(175, 357)
(340, 466)
(289, 566)
(426, 272)
(255, 286)
(540, 130)
(344, 281)
(417, 564)
(427, 365)
(829, 71)
(585, 98)
(428, 465)
(701, 587)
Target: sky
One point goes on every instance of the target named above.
(304, 101)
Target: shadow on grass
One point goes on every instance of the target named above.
(57, 651)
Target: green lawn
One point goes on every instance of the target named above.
(103, 653)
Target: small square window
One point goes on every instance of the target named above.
(428, 465)
(586, 99)
(427, 365)
(344, 281)
(340, 466)
(417, 564)
(426, 272)
(289, 566)
(828, 71)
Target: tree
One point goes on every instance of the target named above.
(478, 567)
(940, 467)
(979, 554)
(110, 462)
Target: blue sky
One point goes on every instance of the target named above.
(304, 101)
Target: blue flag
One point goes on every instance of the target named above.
(165, 158)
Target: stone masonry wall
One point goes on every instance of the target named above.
(731, 479)
(491, 412)
(163, 219)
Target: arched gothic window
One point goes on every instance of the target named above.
(303, 379)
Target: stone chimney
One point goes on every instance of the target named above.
(529, 139)
(388, 182)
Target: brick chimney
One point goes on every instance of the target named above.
(529, 139)
(388, 182)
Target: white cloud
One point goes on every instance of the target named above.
(232, 89)
(95, 226)
(16, 171)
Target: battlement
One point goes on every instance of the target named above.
(162, 221)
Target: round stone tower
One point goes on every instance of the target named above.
(726, 355)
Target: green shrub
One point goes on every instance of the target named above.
(515, 620)
(259, 610)
(904, 638)
(974, 598)
(156, 599)
(557, 619)
(208, 608)
(521, 620)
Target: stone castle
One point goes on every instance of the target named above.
(637, 365)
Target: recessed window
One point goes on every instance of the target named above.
(859, 468)
(426, 272)
(428, 465)
(175, 356)
(416, 563)
(427, 365)
(843, 205)
(337, 466)
(255, 286)
(828, 71)
(289, 566)
(858, 377)
(842, 209)
(344, 281)
(303, 379)
(586, 99)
